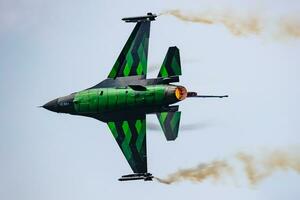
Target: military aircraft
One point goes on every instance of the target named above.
(126, 96)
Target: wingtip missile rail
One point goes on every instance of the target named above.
(137, 176)
(148, 17)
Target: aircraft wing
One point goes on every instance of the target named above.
(131, 137)
(132, 60)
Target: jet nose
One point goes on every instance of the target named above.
(52, 105)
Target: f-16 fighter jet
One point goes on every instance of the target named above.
(123, 99)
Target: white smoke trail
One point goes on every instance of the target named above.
(242, 25)
(255, 168)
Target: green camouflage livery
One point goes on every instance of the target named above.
(169, 122)
(171, 65)
(125, 98)
(131, 138)
(99, 100)
(133, 57)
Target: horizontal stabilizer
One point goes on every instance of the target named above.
(169, 122)
(171, 65)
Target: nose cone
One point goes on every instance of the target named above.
(52, 105)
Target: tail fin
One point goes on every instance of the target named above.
(169, 122)
(171, 65)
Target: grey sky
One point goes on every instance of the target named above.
(52, 48)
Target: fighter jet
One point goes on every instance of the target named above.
(126, 96)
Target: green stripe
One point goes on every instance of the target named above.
(129, 61)
(136, 45)
(175, 121)
(142, 59)
(113, 129)
(140, 126)
(163, 116)
(163, 72)
(139, 70)
(125, 144)
(175, 66)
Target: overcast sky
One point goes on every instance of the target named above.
(52, 48)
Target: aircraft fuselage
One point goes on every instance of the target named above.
(125, 99)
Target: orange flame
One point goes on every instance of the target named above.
(180, 93)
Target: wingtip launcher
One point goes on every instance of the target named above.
(137, 176)
(148, 17)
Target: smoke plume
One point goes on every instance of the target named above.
(254, 168)
(212, 170)
(243, 25)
